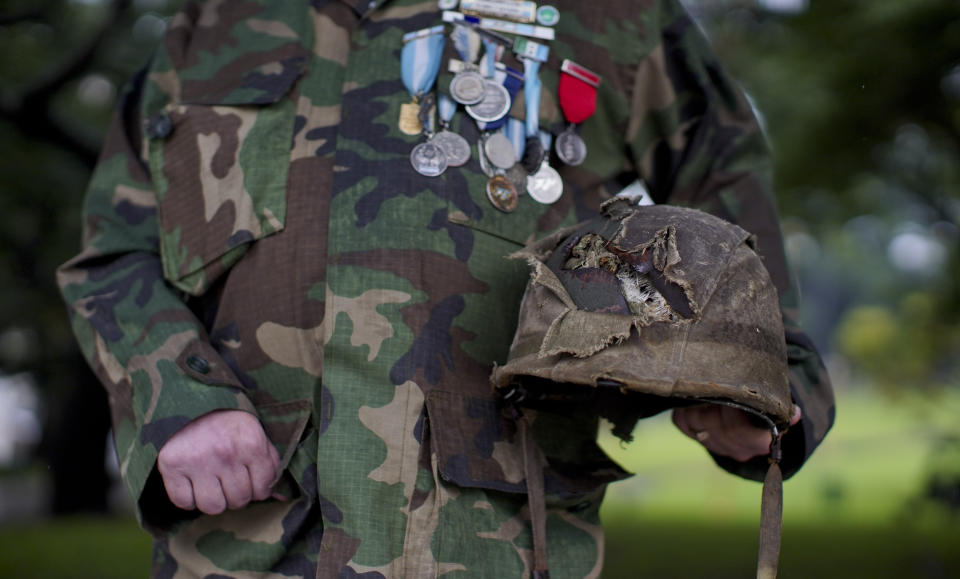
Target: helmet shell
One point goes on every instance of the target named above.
(659, 300)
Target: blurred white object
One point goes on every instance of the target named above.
(20, 428)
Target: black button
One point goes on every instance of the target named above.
(198, 364)
(159, 126)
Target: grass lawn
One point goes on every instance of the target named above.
(851, 512)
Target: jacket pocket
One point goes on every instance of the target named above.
(220, 110)
(220, 176)
(478, 446)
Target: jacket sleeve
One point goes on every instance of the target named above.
(139, 336)
(697, 143)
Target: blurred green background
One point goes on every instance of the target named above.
(861, 102)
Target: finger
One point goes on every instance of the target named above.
(209, 495)
(797, 415)
(263, 474)
(179, 491)
(236, 486)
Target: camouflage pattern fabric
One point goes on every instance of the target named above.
(256, 239)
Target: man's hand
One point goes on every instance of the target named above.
(218, 461)
(725, 430)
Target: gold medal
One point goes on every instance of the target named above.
(410, 118)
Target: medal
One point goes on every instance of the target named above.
(495, 104)
(467, 85)
(545, 185)
(577, 92)
(428, 159)
(485, 166)
(570, 147)
(419, 65)
(501, 193)
(499, 151)
(454, 147)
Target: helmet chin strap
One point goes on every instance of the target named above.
(771, 501)
(771, 513)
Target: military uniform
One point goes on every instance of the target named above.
(256, 238)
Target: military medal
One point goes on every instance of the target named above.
(499, 150)
(544, 185)
(454, 146)
(502, 194)
(495, 104)
(467, 85)
(577, 93)
(571, 149)
(420, 63)
(428, 159)
(419, 66)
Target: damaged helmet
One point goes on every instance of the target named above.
(644, 309)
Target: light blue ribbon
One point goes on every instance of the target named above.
(514, 130)
(446, 108)
(420, 61)
(531, 96)
(466, 41)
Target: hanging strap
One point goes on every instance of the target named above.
(771, 514)
(536, 500)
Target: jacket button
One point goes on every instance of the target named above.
(159, 126)
(198, 364)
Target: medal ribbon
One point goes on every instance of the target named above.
(446, 109)
(466, 42)
(514, 130)
(577, 92)
(492, 53)
(420, 59)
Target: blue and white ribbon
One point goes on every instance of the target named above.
(514, 131)
(420, 59)
(446, 108)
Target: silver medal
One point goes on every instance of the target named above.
(488, 169)
(468, 87)
(499, 151)
(428, 159)
(570, 147)
(455, 148)
(495, 103)
(545, 186)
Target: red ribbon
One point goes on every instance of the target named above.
(577, 92)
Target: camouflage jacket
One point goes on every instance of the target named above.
(255, 238)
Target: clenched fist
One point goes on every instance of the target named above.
(222, 460)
